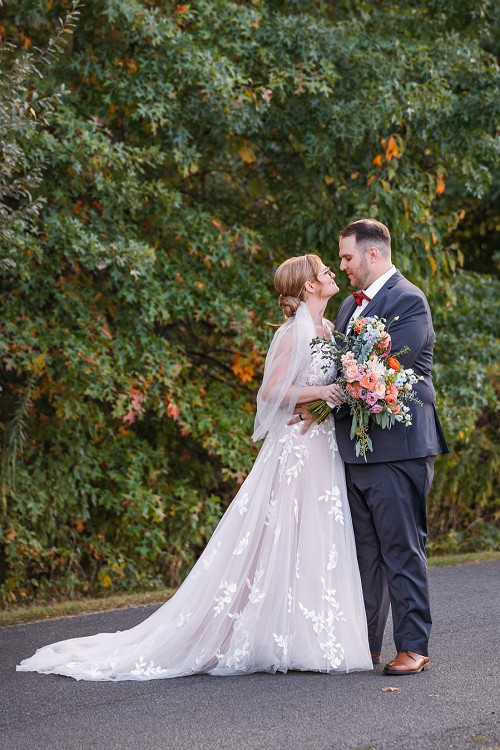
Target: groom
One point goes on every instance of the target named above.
(387, 492)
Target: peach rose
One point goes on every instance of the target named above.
(351, 372)
(348, 358)
(380, 389)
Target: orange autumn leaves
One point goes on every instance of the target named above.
(440, 183)
(133, 401)
(393, 149)
(244, 366)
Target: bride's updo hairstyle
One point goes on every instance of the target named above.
(290, 278)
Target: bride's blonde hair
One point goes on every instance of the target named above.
(290, 278)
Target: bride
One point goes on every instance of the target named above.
(277, 587)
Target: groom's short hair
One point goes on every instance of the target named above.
(369, 232)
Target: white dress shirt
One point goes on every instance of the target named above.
(372, 291)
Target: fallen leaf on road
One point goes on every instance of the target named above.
(390, 690)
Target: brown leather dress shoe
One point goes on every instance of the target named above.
(407, 662)
(375, 658)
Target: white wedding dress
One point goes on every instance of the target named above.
(277, 587)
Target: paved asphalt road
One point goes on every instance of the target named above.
(455, 705)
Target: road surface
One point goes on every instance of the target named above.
(455, 705)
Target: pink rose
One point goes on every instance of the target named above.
(380, 389)
(376, 409)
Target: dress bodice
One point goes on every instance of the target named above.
(319, 372)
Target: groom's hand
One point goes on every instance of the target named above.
(302, 415)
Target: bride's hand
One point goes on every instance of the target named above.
(332, 394)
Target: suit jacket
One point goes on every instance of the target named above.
(399, 297)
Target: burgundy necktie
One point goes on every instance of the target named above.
(359, 297)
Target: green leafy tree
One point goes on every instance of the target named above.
(200, 145)
(22, 112)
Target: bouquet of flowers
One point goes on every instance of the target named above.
(374, 383)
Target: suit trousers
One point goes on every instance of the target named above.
(388, 507)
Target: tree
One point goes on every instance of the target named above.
(201, 145)
(22, 112)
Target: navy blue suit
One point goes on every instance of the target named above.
(388, 491)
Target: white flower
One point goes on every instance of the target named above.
(376, 366)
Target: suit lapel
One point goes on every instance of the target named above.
(344, 315)
(381, 293)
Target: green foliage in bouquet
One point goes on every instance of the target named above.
(195, 147)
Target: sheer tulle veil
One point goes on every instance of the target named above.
(285, 371)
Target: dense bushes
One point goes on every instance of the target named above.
(198, 146)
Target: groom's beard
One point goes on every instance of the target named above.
(359, 278)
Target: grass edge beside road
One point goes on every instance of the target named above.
(19, 615)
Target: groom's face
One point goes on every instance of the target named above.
(354, 261)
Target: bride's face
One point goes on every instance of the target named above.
(326, 286)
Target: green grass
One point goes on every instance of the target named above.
(464, 558)
(17, 615)
(44, 611)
